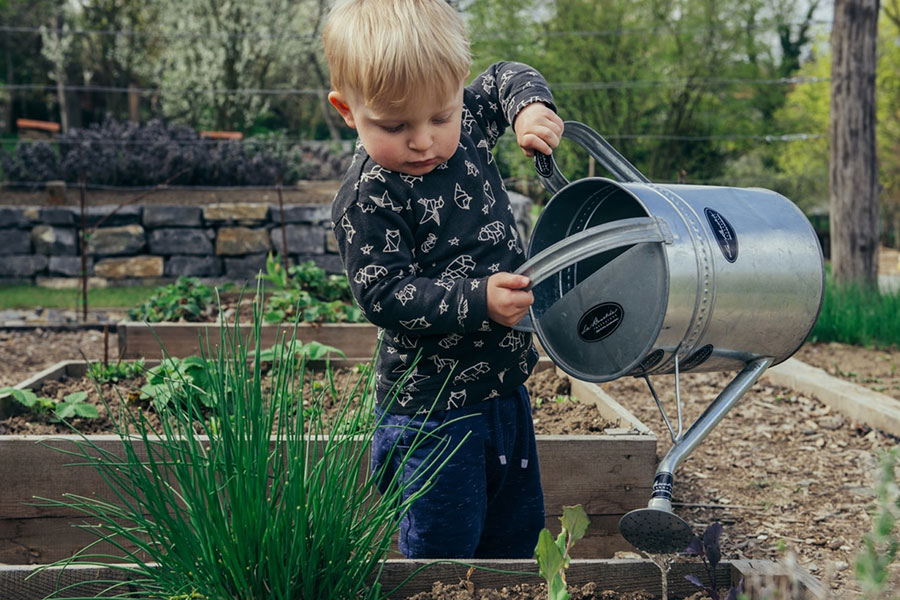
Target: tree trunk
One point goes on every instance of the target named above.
(853, 166)
(10, 80)
(63, 104)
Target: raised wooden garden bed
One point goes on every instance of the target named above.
(140, 340)
(622, 576)
(608, 474)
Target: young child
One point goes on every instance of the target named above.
(429, 242)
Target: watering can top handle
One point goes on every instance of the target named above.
(589, 242)
(602, 151)
(592, 241)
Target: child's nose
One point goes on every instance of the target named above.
(421, 139)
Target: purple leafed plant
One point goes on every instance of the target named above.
(709, 551)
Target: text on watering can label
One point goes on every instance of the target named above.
(600, 321)
(724, 234)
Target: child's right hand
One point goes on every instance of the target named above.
(508, 298)
(538, 129)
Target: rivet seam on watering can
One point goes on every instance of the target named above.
(724, 234)
(600, 321)
(701, 314)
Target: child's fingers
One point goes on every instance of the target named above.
(531, 143)
(540, 139)
(512, 281)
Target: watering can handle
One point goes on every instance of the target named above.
(599, 148)
(593, 241)
(589, 242)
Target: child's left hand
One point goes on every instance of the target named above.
(538, 128)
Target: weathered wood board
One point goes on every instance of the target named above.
(140, 340)
(618, 575)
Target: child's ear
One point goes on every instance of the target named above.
(338, 102)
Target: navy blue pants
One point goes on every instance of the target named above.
(486, 501)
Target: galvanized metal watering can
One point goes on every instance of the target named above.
(636, 278)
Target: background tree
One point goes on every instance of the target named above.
(683, 89)
(853, 168)
(219, 54)
(21, 61)
(56, 46)
(119, 44)
(889, 119)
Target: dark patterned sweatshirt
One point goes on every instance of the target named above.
(418, 251)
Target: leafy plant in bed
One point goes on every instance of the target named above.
(303, 292)
(72, 405)
(307, 292)
(240, 512)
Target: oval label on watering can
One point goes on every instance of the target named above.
(600, 321)
(724, 234)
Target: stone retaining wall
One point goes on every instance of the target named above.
(158, 243)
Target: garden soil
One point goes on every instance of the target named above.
(788, 477)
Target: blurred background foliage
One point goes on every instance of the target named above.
(732, 92)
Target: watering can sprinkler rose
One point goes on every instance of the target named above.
(634, 278)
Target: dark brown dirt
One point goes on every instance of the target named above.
(555, 410)
(467, 591)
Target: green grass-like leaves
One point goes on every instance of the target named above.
(858, 315)
(269, 503)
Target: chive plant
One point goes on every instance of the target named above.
(270, 502)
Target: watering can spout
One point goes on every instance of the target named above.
(656, 529)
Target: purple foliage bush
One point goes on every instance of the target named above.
(122, 153)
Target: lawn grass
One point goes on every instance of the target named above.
(29, 296)
(859, 316)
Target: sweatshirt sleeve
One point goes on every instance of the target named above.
(377, 245)
(498, 94)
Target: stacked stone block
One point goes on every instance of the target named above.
(155, 243)
(150, 243)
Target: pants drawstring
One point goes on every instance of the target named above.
(521, 435)
(524, 435)
(498, 429)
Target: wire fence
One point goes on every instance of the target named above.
(762, 25)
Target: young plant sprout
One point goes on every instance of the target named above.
(72, 405)
(709, 551)
(553, 555)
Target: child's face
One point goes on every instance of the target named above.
(413, 140)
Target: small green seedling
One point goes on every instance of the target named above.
(72, 404)
(186, 378)
(37, 404)
(553, 556)
(115, 372)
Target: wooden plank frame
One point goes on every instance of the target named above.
(609, 475)
(142, 340)
(618, 575)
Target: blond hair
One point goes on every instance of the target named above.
(387, 51)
